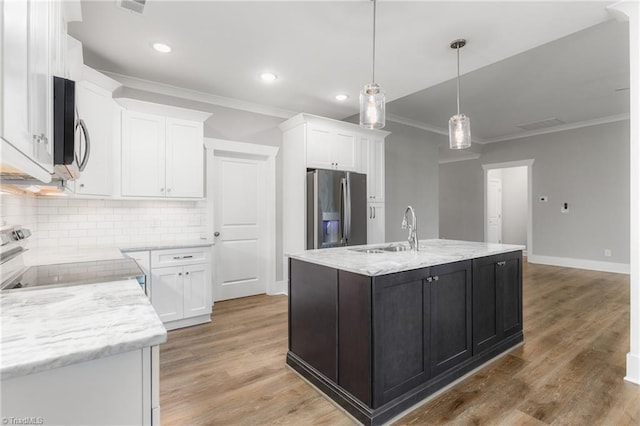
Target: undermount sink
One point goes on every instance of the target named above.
(394, 248)
(367, 250)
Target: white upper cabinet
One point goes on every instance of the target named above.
(162, 155)
(332, 148)
(184, 158)
(96, 108)
(375, 169)
(27, 78)
(143, 154)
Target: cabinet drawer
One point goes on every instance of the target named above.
(179, 257)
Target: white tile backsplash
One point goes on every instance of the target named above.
(57, 222)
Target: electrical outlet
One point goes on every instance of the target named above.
(607, 252)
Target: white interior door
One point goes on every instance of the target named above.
(494, 210)
(239, 223)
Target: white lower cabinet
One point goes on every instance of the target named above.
(375, 223)
(118, 389)
(181, 293)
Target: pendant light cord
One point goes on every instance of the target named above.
(373, 67)
(458, 79)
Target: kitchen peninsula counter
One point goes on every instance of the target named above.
(55, 327)
(380, 330)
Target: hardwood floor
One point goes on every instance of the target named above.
(569, 371)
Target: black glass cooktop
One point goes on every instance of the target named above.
(67, 274)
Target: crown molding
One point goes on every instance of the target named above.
(194, 95)
(563, 127)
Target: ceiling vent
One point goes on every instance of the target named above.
(136, 6)
(549, 122)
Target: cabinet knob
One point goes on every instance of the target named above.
(82, 185)
(168, 189)
(216, 234)
(161, 189)
(179, 273)
(429, 279)
(187, 273)
(502, 263)
(436, 278)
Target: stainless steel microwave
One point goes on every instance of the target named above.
(71, 149)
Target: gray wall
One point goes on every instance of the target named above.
(514, 205)
(411, 178)
(587, 168)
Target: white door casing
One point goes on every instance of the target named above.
(241, 201)
(529, 165)
(494, 210)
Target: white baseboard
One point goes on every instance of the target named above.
(593, 265)
(276, 287)
(633, 368)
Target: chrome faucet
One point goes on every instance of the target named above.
(413, 228)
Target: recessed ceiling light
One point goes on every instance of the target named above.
(162, 48)
(268, 77)
(342, 97)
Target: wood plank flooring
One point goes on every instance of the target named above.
(569, 371)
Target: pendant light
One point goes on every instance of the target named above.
(372, 97)
(459, 124)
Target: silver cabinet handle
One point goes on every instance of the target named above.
(436, 278)
(183, 257)
(429, 279)
(502, 263)
(374, 212)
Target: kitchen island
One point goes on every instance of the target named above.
(380, 328)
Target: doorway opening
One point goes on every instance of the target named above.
(508, 203)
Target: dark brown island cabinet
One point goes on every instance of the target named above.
(379, 345)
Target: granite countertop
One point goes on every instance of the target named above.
(50, 328)
(431, 252)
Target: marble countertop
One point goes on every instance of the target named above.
(50, 328)
(50, 256)
(161, 245)
(431, 252)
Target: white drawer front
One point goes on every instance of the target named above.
(178, 257)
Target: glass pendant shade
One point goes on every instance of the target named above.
(459, 132)
(372, 114)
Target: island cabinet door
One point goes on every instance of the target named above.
(450, 312)
(313, 316)
(486, 303)
(400, 334)
(510, 286)
(497, 299)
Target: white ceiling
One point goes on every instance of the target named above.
(319, 49)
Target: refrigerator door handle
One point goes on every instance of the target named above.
(348, 213)
(343, 210)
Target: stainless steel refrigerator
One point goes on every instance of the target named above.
(336, 208)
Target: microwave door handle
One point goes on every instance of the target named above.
(87, 140)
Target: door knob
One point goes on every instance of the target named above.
(216, 234)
